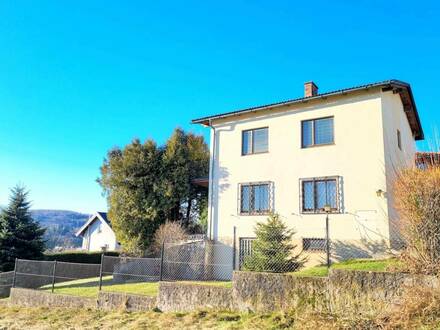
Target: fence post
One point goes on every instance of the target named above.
(161, 261)
(15, 272)
(100, 272)
(234, 249)
(327, 241)
(53, 275)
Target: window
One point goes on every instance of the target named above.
(255, 198)
(255, 141)
(318, 192)
(399, 140)
(245, 250)
(314, 244)
(317, 132)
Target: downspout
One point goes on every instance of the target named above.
(211, 231)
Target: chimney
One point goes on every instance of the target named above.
(310, 89)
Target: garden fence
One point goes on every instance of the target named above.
(197, 260)
(6, 280)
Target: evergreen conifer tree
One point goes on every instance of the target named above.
(273, 250)
(20, 236)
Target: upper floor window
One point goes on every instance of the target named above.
(255, 141)
(255, 198)
(399, 140)
(319, 192)
(317, 132)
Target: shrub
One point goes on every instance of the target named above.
(272, 251)
(169, 232)
(78, 257)
(417, 199)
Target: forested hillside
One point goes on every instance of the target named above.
(60, 227)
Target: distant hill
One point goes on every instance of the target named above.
(60, 227)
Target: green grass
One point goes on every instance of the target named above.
(354, 264)
(89, 287)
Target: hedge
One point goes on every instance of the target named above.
(78, 257)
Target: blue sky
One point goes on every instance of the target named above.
(79, 77)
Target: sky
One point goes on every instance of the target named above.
(80, 77)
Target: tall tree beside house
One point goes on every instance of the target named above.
(273, 250)
(147, 185)
(132, 181)
(20, 235)
(186, 158)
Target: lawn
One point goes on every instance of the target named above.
(89, 287)
(354, 264)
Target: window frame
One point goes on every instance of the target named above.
(252, 141)
(311, 250)
(313, 133)
(253, 212)
(338, 197)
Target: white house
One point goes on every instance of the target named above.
(97, 234)
(340, 149)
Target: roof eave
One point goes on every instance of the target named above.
(418, 131)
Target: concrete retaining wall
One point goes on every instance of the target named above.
(370, 292)
(129, 302)
(341, 292)
(180, 297)
(268, 292)
(33, 298)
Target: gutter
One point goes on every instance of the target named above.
(211, 180)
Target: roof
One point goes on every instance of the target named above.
(102, 216)
(397, 86)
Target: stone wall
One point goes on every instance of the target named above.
(123, 301)
(180, 297)
(370, 292)
(33, 298)
(262, 292)
(341, 292)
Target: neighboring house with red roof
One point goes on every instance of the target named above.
(339, 149)
(97, 234)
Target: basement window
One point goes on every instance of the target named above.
(314, 244)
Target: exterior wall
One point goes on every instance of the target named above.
(394, 119)
(99, 235)
(357, 156)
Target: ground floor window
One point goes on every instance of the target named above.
(319, 192)
(255, 198)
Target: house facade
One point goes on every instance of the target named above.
(97, 234)
(337, 151)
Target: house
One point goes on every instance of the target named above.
(339, 149)
(97, 234)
